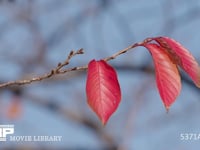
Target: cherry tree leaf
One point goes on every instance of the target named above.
(102, 89)
(182, 57)
(167, 75)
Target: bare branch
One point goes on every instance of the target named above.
(59, 69)
(128, 48)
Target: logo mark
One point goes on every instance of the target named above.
(5, 130)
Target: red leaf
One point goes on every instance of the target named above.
(14, 109)
(182, 57)
(102, 89)
(167, 75)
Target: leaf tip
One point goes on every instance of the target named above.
(104, 122)
(167, 109)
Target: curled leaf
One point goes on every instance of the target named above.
(102, 89)
(182, 57)
(167, 75)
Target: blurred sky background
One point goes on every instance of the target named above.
(37, 34)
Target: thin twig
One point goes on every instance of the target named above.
(53, 72)
(128, 48)
(59, 69)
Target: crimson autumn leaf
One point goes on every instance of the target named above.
(167, 75)
(182, 57)
(102, 89)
